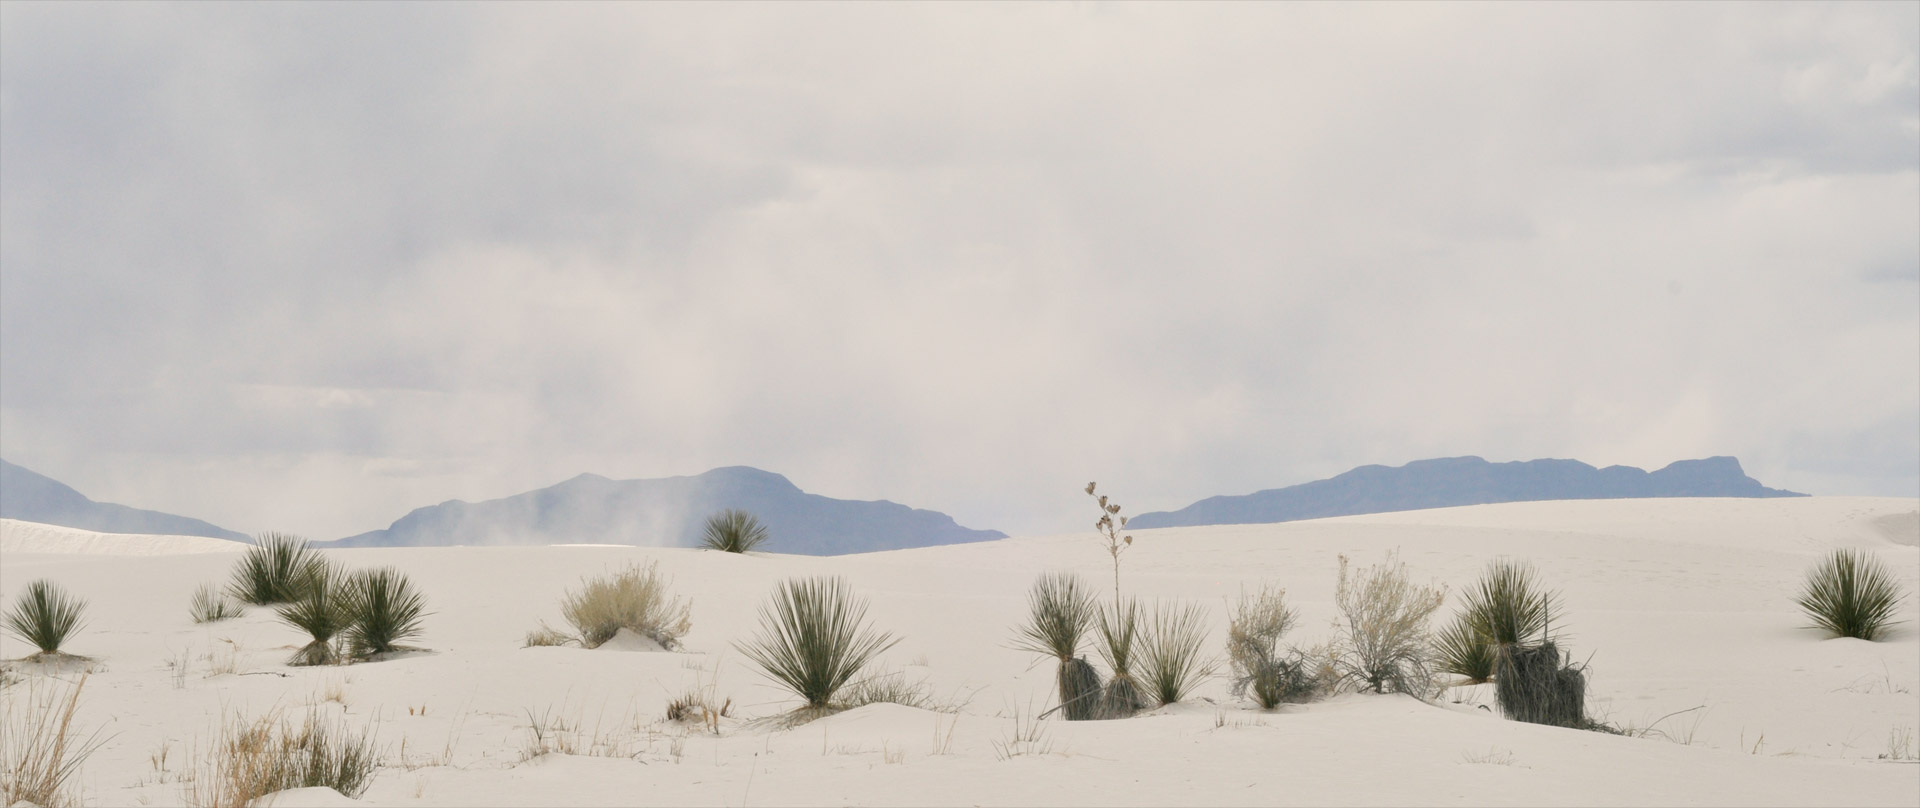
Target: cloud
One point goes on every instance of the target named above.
(309, 267)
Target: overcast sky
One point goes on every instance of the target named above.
(307, 267)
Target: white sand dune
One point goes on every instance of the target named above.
(1680, 603)
(17, 537)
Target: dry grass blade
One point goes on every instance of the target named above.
(1851, 594)
(813, 638)
(255, 758)
(45, 616)
(40, 748)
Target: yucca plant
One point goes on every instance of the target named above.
(733, 531)
(813, 638)
(209, 605)
(1506, 608)
(1850, 594)
(274, 570)
(324, 611)
(1462, 650)
(384, 609)
(1170, 660)
(45, 616)
(1060, 610)
(1119, 633)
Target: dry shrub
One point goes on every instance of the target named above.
(40, 748)
(1383, 644)
(636, 599)
(251, 759)
(1261, 670)
(697, 706)
(548, 636)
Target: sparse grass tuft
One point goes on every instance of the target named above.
(324, 610)
(1171, 664)
(251, 759)
(1060, 610)
(813, 638)
(733, 531)
(636, 599)
(45, 616)
(1851, 594)
(210, 604)
(547, 636)
(276, 569)
(384, 609)
(891, 687)
(40, 748)
(1384, 644)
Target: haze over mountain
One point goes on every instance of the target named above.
(1450, 481)
(33, 497)
(672, 512)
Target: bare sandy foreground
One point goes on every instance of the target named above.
(1677, 604)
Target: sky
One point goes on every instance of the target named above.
(307, 267)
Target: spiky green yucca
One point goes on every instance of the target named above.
(1170, 659)
(324, 611)
(275, 570)
(1060, 610)
(1461, 650)
(209, 605)
(733, 531)
(1119, 634)
(384, 609)
(1507, 607)
(813, 638)
(45, 616)
(1850, 594)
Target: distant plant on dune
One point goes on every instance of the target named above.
(1119, 635)
(1110, 533)
(209, 605)
(734, 531)
(1851, 594)
(1060, 609)
(324, 611)
(383, 609)
(1506, 607)
(1383, 644)
(45, 616)
(274, 570)
(1170, 659)
(814, 639)
(1261, 670)
(634, 598)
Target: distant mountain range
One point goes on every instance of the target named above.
(32, 497)
(672, 512)
(1450, 481)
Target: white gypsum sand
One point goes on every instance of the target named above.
(1677, 603)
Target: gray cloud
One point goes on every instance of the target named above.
(307, 266)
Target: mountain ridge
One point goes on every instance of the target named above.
(1469, 480)
(29, 496)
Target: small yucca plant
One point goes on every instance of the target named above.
(1506, 608)
(1850, 594)
(45, 616)
(733, 531)
(274, 570)
(1171, 660)
(1060, 610)
(324, 611)
(813, 638)
(1119, 634)
(209, 605)
(384, 609)
(1462, 650)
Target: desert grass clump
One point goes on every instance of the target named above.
(45, 616)
(324, 611)
(1539, 685)
(1261, 670)
(733, 531)
(1119, 634)
(891, 687)
(384, 609)
(547, 636)
(276, 569)
(634, 598)
(1060, 609)
(210, 604)
(1383, 644)
(41, 750)
(1851, 594)
(814, 639)
(1170, 659)
(251, 759)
